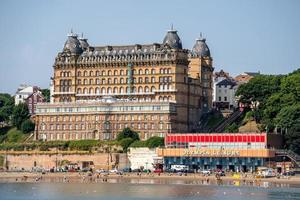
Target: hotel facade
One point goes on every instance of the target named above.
(155, 89)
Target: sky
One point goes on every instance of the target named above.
(243, 35)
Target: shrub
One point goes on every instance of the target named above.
(27, 126)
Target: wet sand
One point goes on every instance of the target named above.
(152, 178)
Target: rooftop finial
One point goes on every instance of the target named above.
(172, 27)
(200, 35)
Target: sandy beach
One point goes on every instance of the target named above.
(152, 178)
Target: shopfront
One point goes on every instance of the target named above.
(226, 151)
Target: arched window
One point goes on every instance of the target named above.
(146, 79)
(115, 90)
(140, 71)
(109, 81)
(109, 90)
(169, 98)
(134, 89)
(121, 80)
(153, 71)
(91, 73)
(169, 71)
(97, 73)
(122, 72)
(133, 72)
(115, 72)
(85, 91)
(146, 89)
(152, 89)
(103, 73)
(152, 79)
(165, 98)
(97, 81)
(103, 81)
(140, 89)
(91, 90)
(91, 81)
(146, 71)
(115, 80)
(109, 73)
(97, 90)
(121, 90)
(140, 80)
(85, 73)
(79, 73)
(79, 91)
(160, 98)
(161, 71)
(127, 89)
(85, 81)
(165, 71)
(103, 91)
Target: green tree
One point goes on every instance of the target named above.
(155, 142)
(128, 133)
(27, 126)
(19, 115)
(6, 107)
(126, 142)
(46, 94)
(233, 128)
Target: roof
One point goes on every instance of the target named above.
(172, 39)
(200, 48)
(227, 82)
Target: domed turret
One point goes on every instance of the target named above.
(200, 48)
(172, 39)
(72, 44)
(83, 42)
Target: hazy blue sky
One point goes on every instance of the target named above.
(252, 35)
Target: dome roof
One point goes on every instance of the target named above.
(172, 39)
(200, 48)
(72, 44)
(83, 42)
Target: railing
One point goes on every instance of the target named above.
(290, 154)
(221, 126)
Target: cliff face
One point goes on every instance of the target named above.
(250, 126)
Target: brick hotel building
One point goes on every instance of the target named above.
(155, 89)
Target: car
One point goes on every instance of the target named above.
(170, 170)
(113, 171)
(101, 171)
(136, 170)
(126, 170)
(206, 172)
(290, 173)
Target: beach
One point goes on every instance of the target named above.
(151, 178)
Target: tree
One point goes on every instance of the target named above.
(27, 126)
(155, 142)
(6, 107)
(46, 94)
(128, 133)
(126, 142)
(19, 115)
(292, 138)
(233, 128)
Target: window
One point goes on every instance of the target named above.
(220, 99)
(225, 98)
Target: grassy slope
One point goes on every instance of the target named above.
(11, 134)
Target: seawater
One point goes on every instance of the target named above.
(128, 191)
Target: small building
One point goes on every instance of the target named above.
(33, 99)
(31, 95)
(142, 158)
(225, 151)
(225, 94)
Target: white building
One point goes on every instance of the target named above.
(142, 158)
(23, 92)
(225, 94)
(218, 77)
